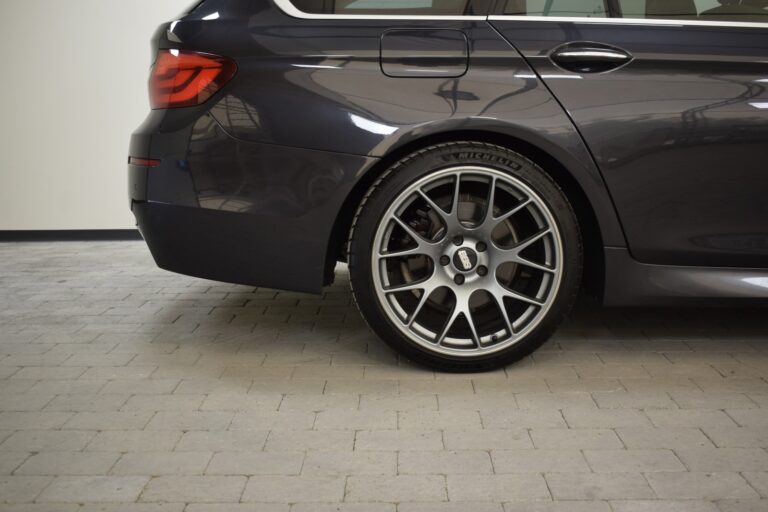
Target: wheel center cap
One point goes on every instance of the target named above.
(465, 259)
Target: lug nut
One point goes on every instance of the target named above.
(481, 271)
(459, 279)
(445, 260)
(481, 247)
(458, 240)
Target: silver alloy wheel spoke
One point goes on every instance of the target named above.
(515, 251)
(467, 259)
(513, 211)
(504, 314)
(425, 294)
(528, 263)
(443, 214)
(410, 231)
(425, 284)
(503, 292)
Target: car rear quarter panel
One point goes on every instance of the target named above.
(310, 104)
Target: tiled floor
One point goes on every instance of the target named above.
(126, 388)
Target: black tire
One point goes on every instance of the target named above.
(431, 160)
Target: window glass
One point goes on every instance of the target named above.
(394, 7)
(701, 10)
(568, 8)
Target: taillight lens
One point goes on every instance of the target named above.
(185, 79)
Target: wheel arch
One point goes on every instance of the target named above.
(592, 229)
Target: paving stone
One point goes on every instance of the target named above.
(190, 420)
(108, 421)
(273, 420)
(96, 489)
(33, 420)
(398, 440)
(608, 418)
(162, 463)
(256, 463)
(487, 440)
(242, 507)
(701, 486)
(500, 488)
(538, 461)
(516, 419)
(749, 505)
(474, 506)
(757, 418)
(294, 489)
(690, 418)
(633, 461)
(344, 507)
(627, 400)
(158, 402)
(47, 440)
(704, 400)
(9, 461)
(356, 420)
(397, 402)
(133, 441)
(557, 506)
(444, 462)
(395, 488)
(26, 402)
(215, 441)
(68, 463)
(78, 403)
(21, 489)
(758, 480)
(141, 386)
(52, 507)
(724, 459)
(330, 440)
(438, 420)
(555, 400)
(358, 462)
(600, 486)
(575, 438)
(49, 373)
(646, 437)
(201, 489)
(736, 437)
(663, 506)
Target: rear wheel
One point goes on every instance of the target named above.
(465, 256)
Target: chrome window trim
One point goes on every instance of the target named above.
(629, 21)
(288, 8)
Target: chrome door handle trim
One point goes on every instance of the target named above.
(572, 55)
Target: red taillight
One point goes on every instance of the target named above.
(185, 79)
(143, 162)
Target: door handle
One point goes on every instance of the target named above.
(590, 57)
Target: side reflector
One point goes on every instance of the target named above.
(143, 162)
(186, 79)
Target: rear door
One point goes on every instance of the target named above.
(671, 97)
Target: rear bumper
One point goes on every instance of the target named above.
(229, 247)
(242, 212)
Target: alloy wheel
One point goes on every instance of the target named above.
(467, 261)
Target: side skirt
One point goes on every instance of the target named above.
(630, 283)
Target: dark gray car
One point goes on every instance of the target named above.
(476, 162)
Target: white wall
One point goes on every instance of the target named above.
(73, 87)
